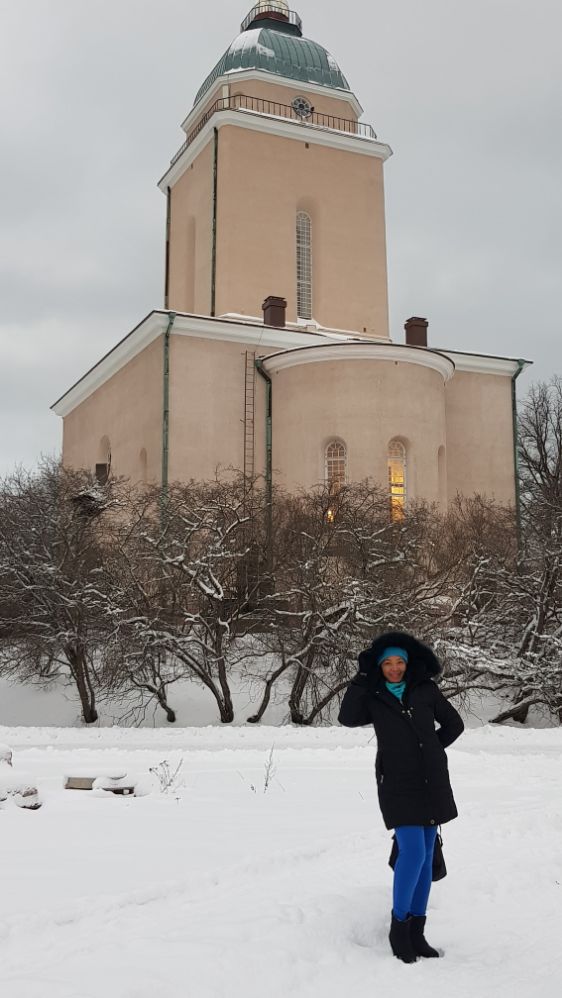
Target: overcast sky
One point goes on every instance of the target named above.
(92, 94)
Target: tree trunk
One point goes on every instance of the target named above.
(517, 712)
(80, 673)
(225, 706)
(325, 701)
(299, 685)
(256, 718)
(222, 695)
(162, 700)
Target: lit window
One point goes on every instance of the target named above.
(336, 466)
(397, 478)
(336, 472)
(304, 266)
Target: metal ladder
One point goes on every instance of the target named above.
(249, 414)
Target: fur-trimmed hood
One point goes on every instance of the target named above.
(422, 661)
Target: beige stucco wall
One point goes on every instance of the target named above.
(263, 181)
(206, 413)
(189, 276)
(458, 435)
(207, 408)
(365, 404)
(480, 436)
(127, 410)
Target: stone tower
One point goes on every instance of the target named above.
(260, 205)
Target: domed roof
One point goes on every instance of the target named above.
(271, 41)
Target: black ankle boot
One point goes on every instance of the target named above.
(419, 943)
(400, 941)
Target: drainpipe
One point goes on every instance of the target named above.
(268, 463)
(166, 413)
(214, 235)
(167, 257)
(520, 368)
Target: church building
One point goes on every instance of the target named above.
(272, 353)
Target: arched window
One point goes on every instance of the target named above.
(143, 465)
(335, 472)
(397, 478)
(103, 463)
(336, 465)
(304, 266)
(442, 477)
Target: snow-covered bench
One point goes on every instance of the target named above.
(110, 780)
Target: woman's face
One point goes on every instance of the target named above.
(393, 668)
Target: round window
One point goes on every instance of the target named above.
(302, 107)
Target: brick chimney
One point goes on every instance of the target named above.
(416, 331)
(274, 310)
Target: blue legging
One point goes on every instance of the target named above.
(413, 869)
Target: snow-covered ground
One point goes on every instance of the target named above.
(220, 889)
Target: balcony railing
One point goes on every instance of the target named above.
(268, 108)
(275, 13)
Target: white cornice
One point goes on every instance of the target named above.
(273, 125)
(241, 75)
(309, 326)
(474, 363)
(292, 347)
(203, 327)
(256, 335)
(140, 337)
(360, 351)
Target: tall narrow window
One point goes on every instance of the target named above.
(143, 465)
(103, 463)
(304, 266)
(442, 477)
(336, 473)
(397, 478)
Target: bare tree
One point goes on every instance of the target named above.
(343, 571)
(189, 589)
(53, 581)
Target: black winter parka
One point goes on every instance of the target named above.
(411, 763)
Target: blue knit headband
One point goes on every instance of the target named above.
(400, 652)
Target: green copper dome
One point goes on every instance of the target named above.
(274, 44)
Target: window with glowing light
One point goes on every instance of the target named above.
(335, 472)
(397, 478)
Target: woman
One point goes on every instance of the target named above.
(395, 692)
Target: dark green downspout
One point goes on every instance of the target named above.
(520, 368)
(167, 258)
(214, 235)
(268, 463)
(166, 413)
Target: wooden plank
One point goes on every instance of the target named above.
(79, 782)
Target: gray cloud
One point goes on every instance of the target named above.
(92, 94)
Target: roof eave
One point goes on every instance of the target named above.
(285, 127)
(263, 75)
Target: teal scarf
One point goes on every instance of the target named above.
(397, 689)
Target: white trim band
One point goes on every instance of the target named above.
(361, 350)
(273, 125)
(483, 364)
(253, 334)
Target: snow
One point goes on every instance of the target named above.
(219, 889)
(250, 40)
